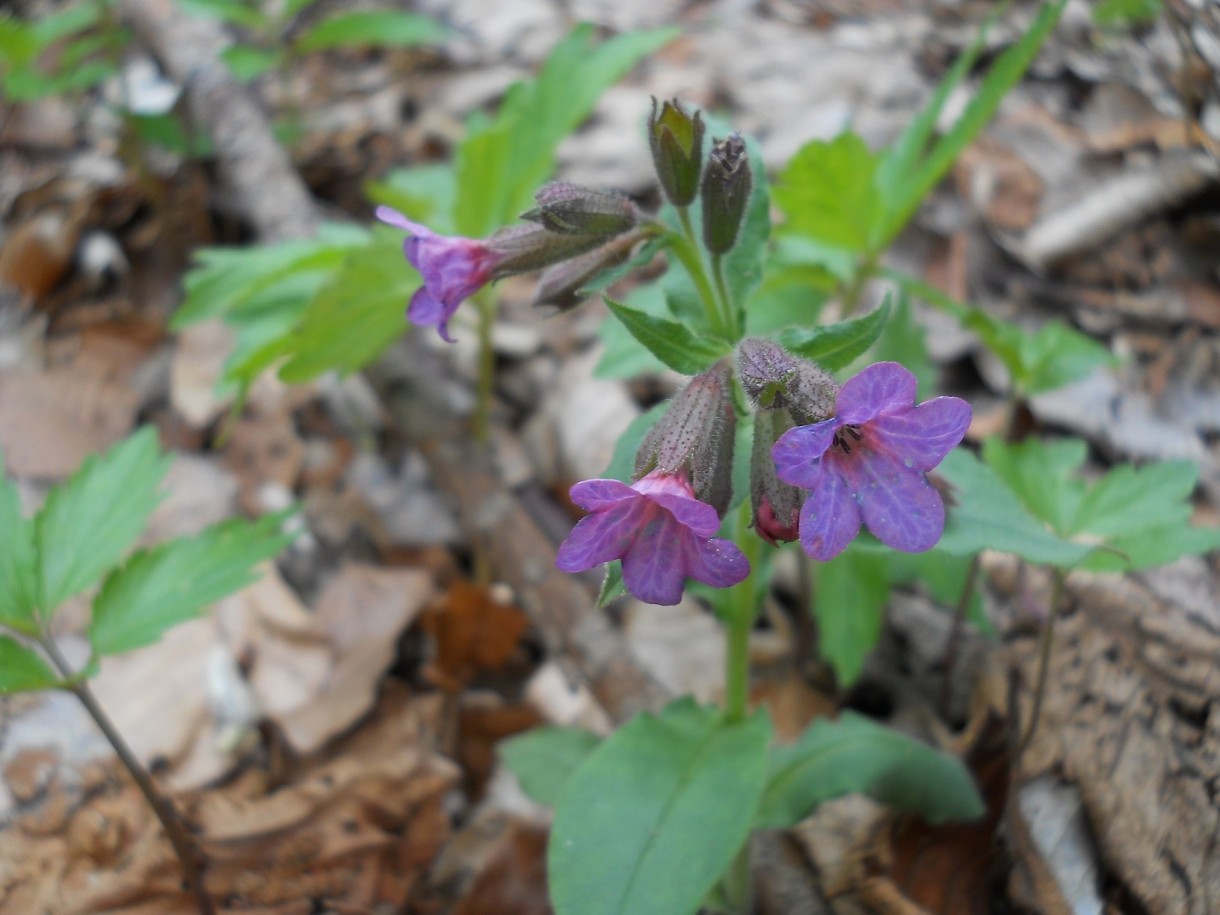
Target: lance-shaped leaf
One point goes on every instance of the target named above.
(836, 345)
(673, 343)
(160, 587)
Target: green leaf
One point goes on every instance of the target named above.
(622, 355)
(374, 29)
(544, 759)
(674, 344)
(1127, 13)
(986, 514)
(21, 669)
(903, 184)
(169, 583)
(18, 562)
(827, 192)
(612, 585)
(247, 62)
(655, 814)
(426, 193)
(849, 605)
(904, 341)
(835, 346)
(1040, 475)
(788, 295)
(502, 161)
(238, 12)
(855, 755)
(89, 522)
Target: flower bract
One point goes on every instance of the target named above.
(868, 464)
(660, 531)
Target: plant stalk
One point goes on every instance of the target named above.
(185, 847)
(740, 611)
(730, 313)
(686, 248)
(953, 643)
(1044, 663)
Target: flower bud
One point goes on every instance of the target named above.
(570, 209)
(777, 505)
(726, 190)
(774, 379)
(561, 284)
(676, 140)
(695, 437)
(522, 249)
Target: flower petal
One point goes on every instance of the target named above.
(715, 561)
(595, 495)
(600, 537)
(427, 310)
(921, 437)
(395, 218)
(798, 452)
(830, 518)
(879, 388)
(899, 505)
(653, 569)
(698, 517)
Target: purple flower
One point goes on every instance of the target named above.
(868, 464)
(453, 270)
(659, 529)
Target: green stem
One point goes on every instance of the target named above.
(189, 855)
(740, 611)
(722, 288)
(864, 273)
(955, 634)
(686, 249)
(485, 303)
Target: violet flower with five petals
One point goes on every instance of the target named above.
(660, 531)
(453, 269)
(869, 462)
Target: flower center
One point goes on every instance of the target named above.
(846, 438)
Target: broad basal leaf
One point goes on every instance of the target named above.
(21, 669)
(545, 758)
(169, 583)
(656, 813)
(855, 755)
(90, 521)
(674, 344)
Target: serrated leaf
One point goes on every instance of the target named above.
(986, 514)
(674, 344)
(836, 345)
(545, 758)
(18, 562)
(854, 755)
(167, 584)
(849, 600)
(655, 814)
(90, 521)
(827, 192)
(374, 29)
(21, 669)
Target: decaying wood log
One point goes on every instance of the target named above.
(269, 189)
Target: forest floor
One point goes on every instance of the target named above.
(330, 732)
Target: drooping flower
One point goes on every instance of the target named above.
(660, 531)
(453, 269)
(868, 464)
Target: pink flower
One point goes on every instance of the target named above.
(660, 531)
(453, 270)
(868, 464)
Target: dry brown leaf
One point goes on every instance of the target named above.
(514, 880)
(480, 729)
(474, 630)
(264, 451)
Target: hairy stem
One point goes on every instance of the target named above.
(740, 611)
(730, 313)
(184, 845)
(686, 249)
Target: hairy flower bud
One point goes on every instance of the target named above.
(695, 438)
(522, 249)
(561, 285)
(776, 504)
(726, 190)
(774, 379)
(676, 140)
(570, 209)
